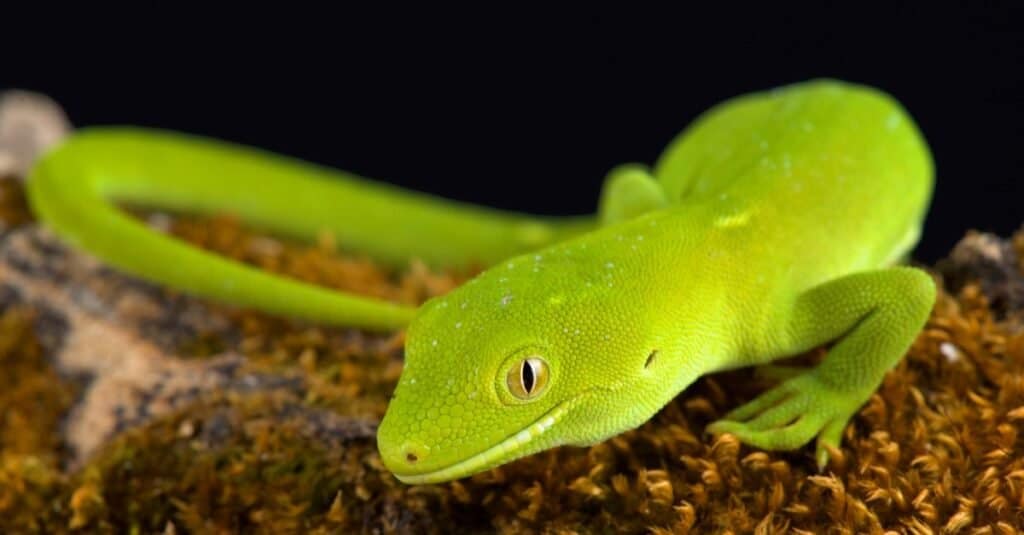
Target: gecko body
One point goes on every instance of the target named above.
(774, 224)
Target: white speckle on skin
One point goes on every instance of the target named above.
(537, 258)
(458, 324)
(609, 265)
(472, 395)
(640, 237)
(506, 300)
(412, 380)
(950, 351)
(893, 122)
(464, 305)
(433, 343)
(511, 265)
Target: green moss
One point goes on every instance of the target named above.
(258, 463)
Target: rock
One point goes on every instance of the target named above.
(993, 262)
(119, 336)
(30, 123)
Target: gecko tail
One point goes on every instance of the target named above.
(74, 187)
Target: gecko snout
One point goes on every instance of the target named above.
(404, 456)
(412, 452)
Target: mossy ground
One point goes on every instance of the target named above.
(937, 448)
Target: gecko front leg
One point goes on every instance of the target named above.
(877, 314)
(629, 191)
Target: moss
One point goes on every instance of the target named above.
(13, 207)
(33, 401)
(318, 263)
(938, 447)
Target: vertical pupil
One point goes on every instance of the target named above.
(527, 376)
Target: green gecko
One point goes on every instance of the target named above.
(772, 225)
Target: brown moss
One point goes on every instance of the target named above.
(318, 263)
(938, 448)
(32, 396)
(33, 400)
(13, 207)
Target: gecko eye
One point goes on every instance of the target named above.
(528, 377)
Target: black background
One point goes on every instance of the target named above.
(528, 111)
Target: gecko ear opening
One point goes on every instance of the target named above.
(650, 359)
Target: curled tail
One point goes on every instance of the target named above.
(73, 189)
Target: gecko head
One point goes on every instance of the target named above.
(516, 361)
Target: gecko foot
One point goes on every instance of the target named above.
(791, 414)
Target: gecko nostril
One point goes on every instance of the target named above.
(413, 452)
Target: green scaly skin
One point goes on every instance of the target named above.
(771, 226)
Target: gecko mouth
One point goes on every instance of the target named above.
(516, 445)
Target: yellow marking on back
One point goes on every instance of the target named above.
(734, 220)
